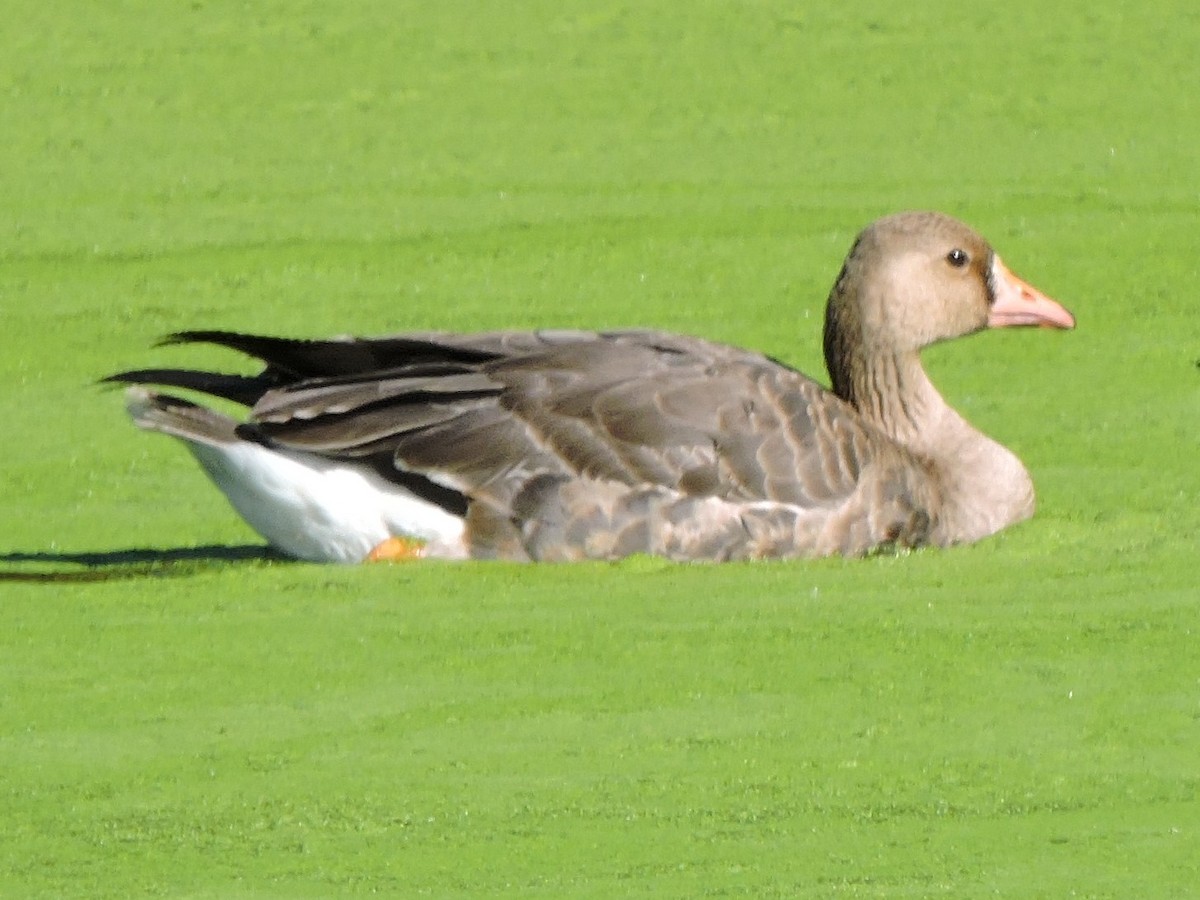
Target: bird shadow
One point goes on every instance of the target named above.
(141, 562)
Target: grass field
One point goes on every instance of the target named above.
(182, 715)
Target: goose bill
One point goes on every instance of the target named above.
(1018, 303)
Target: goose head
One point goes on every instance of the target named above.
(916, 278)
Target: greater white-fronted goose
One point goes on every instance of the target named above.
(566, 445)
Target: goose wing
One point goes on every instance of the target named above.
(553, 435)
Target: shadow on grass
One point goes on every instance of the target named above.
(142, 562)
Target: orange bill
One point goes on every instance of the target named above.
(1018, 303)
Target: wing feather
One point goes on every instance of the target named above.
(571, 443)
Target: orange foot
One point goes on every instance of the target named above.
(397, 549)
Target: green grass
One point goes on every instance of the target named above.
(1020, 718)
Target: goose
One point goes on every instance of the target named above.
(563, 445)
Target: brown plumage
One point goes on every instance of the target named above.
(561, 445)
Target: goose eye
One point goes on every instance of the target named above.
(957, 257)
